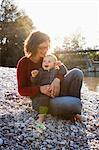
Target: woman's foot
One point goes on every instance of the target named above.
(79, 118)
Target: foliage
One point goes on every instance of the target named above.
(94, 56)
(72, 60)
(67, 53)
(9, 11)
(14, 28)
(74, 42)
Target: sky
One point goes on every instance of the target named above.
(60, 18)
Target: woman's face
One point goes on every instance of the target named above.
(42, 49)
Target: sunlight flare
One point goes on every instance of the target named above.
(59, 18)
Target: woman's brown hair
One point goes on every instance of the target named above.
(32, 42)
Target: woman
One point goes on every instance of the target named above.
(35, 48)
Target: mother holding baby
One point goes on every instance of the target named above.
(62, 88)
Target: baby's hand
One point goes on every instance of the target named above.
(34, 73)
(58, 63)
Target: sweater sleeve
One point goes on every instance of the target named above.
(61, 72)
(62, 69)
(24, 88)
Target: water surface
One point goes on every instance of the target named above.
(91, 80)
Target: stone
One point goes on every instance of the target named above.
(1, 141)
(17, 120)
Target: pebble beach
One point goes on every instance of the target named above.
(17, 121)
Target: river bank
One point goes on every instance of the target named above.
(17, 118)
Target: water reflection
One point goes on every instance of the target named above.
(91, 74)
(91, 80)
(92, 83)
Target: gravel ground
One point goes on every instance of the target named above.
(17, 124)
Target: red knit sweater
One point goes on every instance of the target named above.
(24, 68)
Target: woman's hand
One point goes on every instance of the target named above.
(55, 87)
(45, 89)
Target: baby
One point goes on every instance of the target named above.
(51, 68)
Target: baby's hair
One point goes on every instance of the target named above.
(53, 56)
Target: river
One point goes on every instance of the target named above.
(91, 80)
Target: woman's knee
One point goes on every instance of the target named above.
(66, 106)
(77, 73)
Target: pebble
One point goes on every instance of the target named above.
(1, 141)
(17, 124)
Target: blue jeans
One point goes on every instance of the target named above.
(70, 86)
(72, 83)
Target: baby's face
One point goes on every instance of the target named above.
(48, 63)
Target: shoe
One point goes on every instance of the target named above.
(40, 127)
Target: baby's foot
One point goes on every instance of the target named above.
(41, 118)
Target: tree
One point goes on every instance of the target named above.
(67, 43)
(15, 26)
(74, 42)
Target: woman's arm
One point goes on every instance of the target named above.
(55, 87)
(23, 80)
(62, 69)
